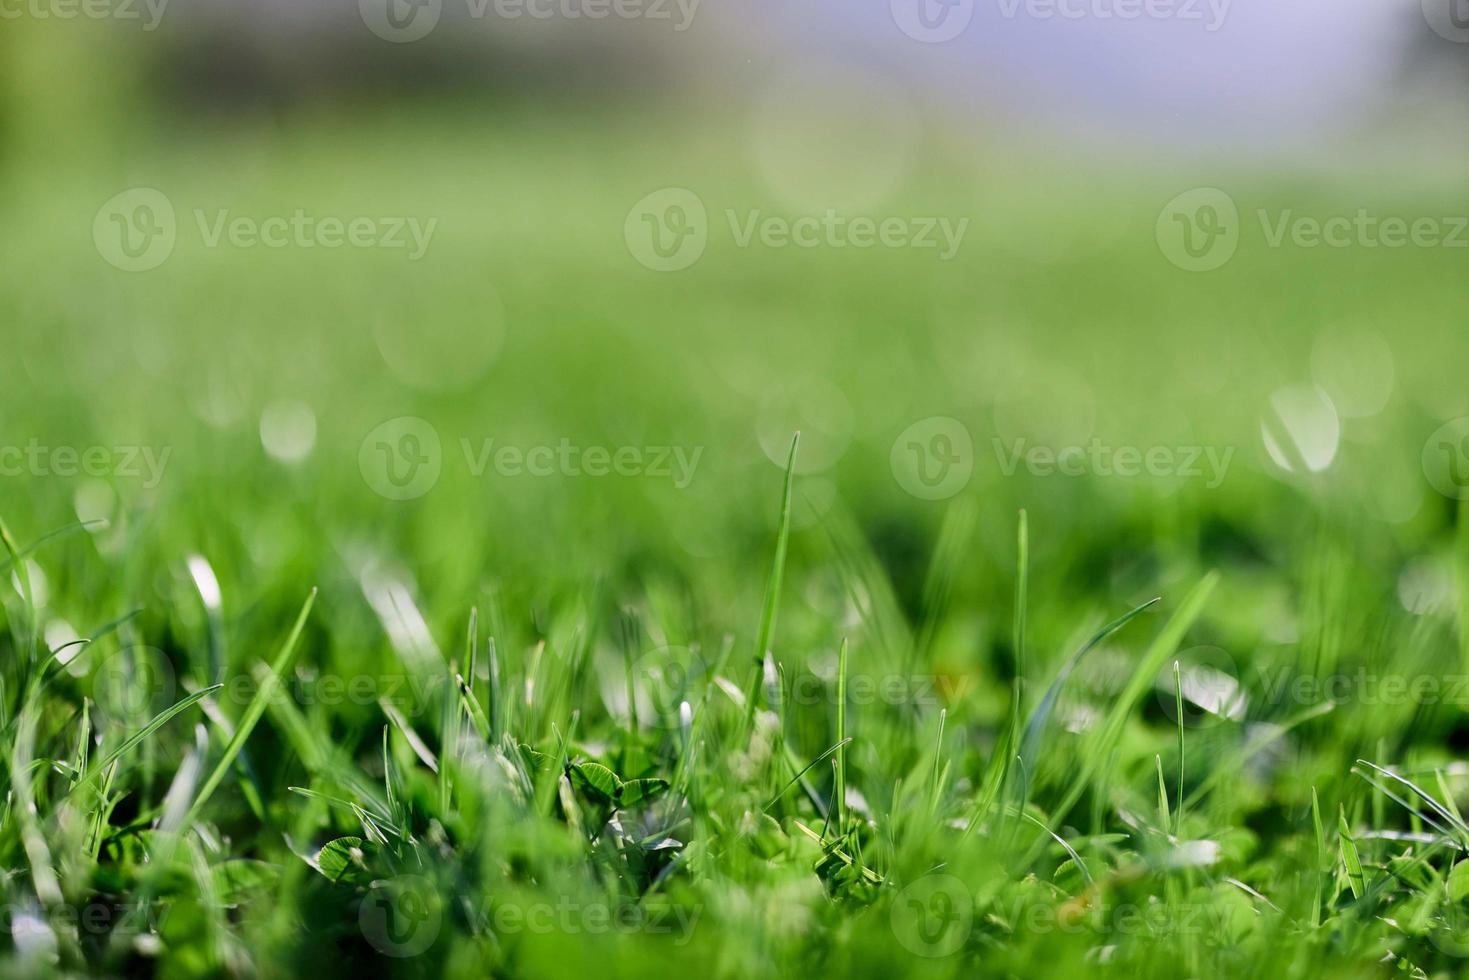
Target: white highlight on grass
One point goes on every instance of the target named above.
(1194, 854)
(1301, 429)
(407, 630)
(204, 580)
(288, 430)
(58, 634)
(1213, 690)
(94, 500)
(1079, 718)
(35, 942)
(1425, 585)
(39, 591)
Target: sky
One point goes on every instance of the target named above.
(1211, 75)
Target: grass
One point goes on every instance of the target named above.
(259, 719)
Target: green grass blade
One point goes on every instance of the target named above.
(772, 589)
(839, 791)
(1033, 730)
(1356, 879)
(136, 738)
(253, 712)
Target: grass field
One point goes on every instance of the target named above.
(1105, 617)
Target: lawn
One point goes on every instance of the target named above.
(472, 607)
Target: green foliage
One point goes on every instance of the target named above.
(788, 718)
